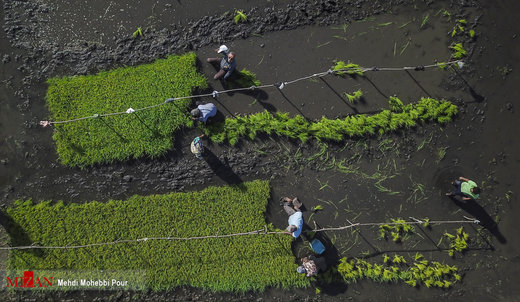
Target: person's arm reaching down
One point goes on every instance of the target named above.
(230, 71)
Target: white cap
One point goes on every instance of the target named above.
(222, 48)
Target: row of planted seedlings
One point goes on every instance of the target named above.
(297, 127)
(412, 269)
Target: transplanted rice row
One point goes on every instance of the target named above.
(280, 124)
(395, 269)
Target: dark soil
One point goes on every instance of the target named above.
(280, 42)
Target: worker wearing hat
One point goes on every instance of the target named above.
(227, 64)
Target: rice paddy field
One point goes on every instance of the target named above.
(368, 111)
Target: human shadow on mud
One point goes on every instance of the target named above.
(17, 234)
(474, 209)
(267, 106)
(221, 169)
(260, 96)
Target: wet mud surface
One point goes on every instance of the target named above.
(282, 41)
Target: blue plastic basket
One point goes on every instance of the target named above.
(317, 246)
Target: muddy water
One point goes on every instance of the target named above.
(101, 21)
(479, 144)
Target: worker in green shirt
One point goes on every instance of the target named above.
(466, 188)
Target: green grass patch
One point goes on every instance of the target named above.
(280, 124)
(239, 263)
(107, 139)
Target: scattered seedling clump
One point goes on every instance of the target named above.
(280, 124)
(355, 96)
(342, 68)
(395, 269)
(459, 27)
(399, 230)
(138, 32)
(107, 139)
(458, 51)
(317, 208)
(445, 13)
(441, 153)
(458, 242)
(239, 16)
(504, 71)
(240, 263)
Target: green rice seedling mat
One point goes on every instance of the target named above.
(121, 137)
(241, 263)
